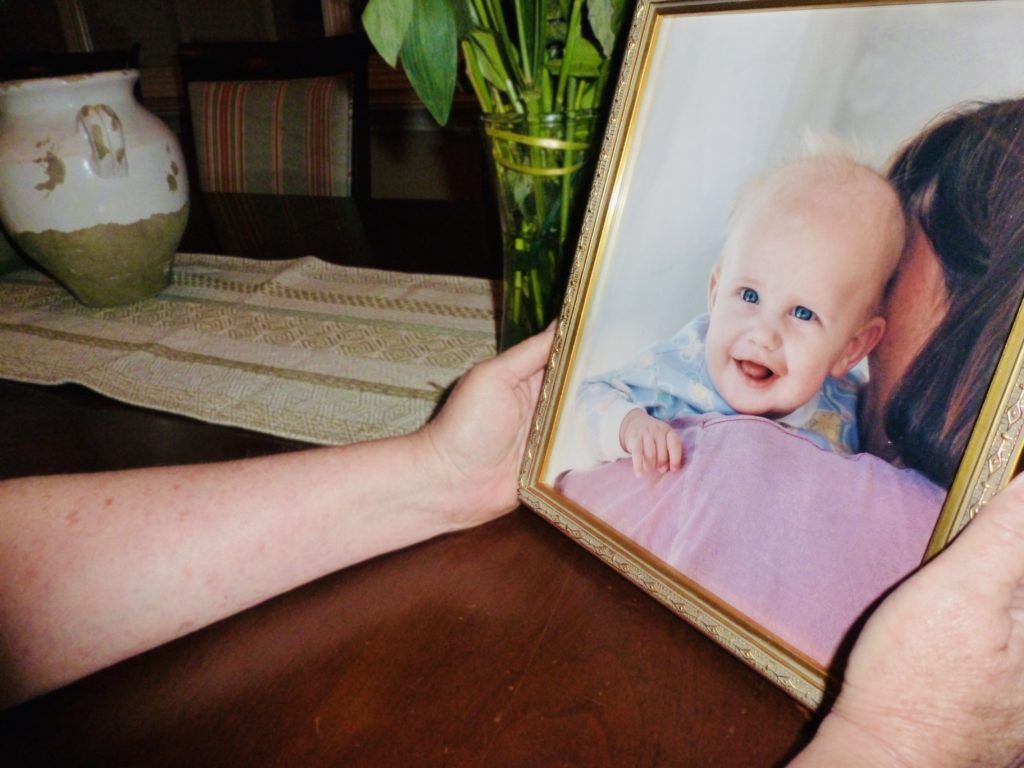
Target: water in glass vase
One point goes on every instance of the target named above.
(541, 168)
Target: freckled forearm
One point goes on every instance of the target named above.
(96, 568)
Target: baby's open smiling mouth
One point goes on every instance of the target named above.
(755, 373)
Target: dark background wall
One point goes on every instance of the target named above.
(411, 157)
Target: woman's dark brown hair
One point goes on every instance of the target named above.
(963, 180)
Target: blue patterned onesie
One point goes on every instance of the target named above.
(670, 380)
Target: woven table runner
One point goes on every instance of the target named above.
(300, 349)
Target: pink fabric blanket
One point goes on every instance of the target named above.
(798, 539)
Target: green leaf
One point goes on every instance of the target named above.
(498, 24)
(522, 187)
(463, 18)
(559, 9)
(573, 36)
(386, 23)
(430, 55)
(588, 93)
(488, 58)
(586, 61)
(476, 78)
(605, 17)
(556, 23)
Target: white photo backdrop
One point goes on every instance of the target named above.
(731, 95)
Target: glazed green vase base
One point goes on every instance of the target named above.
(10, 259)
(107, 265)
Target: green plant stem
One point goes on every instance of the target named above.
(538, 294)
(602, 80)
(537, 210)
(516, 296)
(572, 35)
(517, 58)
(567, 160)
(500, 107)
(584, 97)
(545, 91)
(538, 159)
(507, 47)
(524, 35)
(538, 37)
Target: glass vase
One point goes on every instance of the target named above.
(541, 170)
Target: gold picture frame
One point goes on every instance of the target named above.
(683, 127)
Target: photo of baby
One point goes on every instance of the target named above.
(792, 312)
(794, 305)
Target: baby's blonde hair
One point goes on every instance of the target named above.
(797, 182)
(823, 156)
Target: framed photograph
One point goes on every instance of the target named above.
(788, 367)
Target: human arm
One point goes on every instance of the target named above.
(652, 443)
(96, 568)
(937, 676)
(667, 381)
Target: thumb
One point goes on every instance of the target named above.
(528, 356)
(995, 538)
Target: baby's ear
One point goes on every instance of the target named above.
(859, 346)
(713, 286)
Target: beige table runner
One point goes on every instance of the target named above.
(300, 349)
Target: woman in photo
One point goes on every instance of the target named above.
(801, 540)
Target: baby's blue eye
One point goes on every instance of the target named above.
(749, 295)
(802, 313)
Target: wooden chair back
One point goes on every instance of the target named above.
(270, 115)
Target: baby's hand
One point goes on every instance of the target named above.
(653, 444)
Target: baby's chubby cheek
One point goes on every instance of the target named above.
(716, 369)
(716, 354)
(730, 385)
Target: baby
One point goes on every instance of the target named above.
(794, 305)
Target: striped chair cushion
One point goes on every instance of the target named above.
(274, 136)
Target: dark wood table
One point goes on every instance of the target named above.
(504, 645)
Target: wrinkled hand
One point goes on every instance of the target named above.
(937, 676)
(480, 434)
(652, 443)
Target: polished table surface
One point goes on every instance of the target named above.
(503, 645)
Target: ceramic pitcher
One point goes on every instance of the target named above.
(92, 186)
